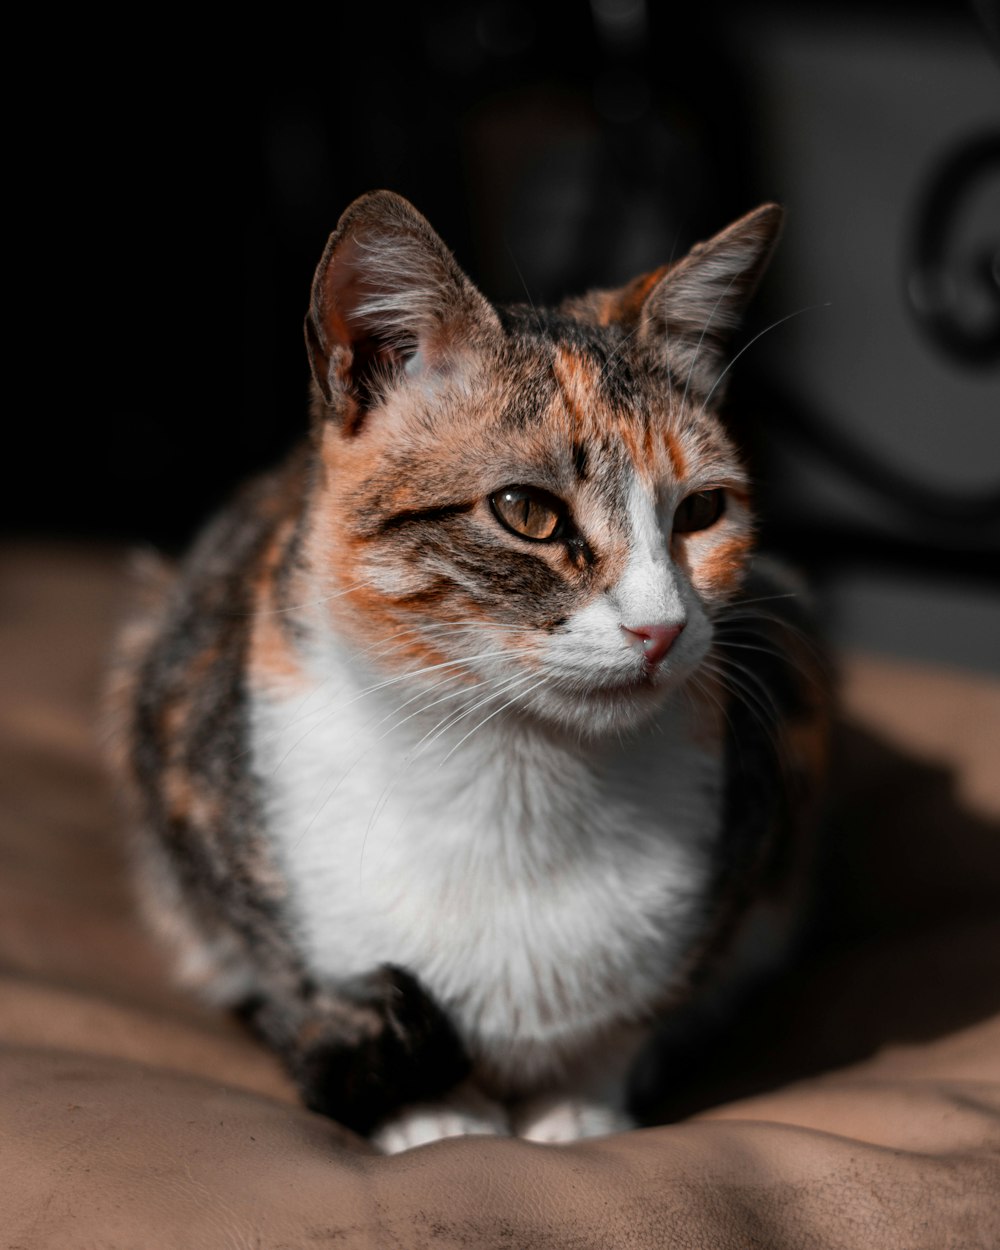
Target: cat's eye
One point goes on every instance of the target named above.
(699, 511)
(529, 512)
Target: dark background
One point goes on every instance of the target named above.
(181, 178)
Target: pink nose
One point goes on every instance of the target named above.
(654, 640)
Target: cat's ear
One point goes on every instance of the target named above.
(387, 296)
(689, 311)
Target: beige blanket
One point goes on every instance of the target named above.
(131, 1117)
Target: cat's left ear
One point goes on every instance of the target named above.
(388, 298)
(690, 311)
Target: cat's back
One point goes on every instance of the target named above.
(177, 705)
(190, 626)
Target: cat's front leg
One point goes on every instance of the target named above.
(568, 1117)
(466, 1111)
(592, 1098)
(361, 1051)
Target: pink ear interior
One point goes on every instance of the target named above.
(690, 315)
(367, 342)
(387, 293)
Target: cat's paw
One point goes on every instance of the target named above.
(554, 1120)
(463, 1113)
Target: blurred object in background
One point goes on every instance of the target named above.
(883, 139)
(554, 147)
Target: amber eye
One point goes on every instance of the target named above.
(529, 512)
(699, 511)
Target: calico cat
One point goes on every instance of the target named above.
(465, 745)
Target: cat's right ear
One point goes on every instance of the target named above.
(387, 296)
(686, 313)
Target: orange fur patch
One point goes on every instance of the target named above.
(577, 393)
(180, 708)
(187, 801)
(581, 400)
(717, 572)
(272, 656)
(626, 304)
(678, 461)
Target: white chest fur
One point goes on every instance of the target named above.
(541, 890)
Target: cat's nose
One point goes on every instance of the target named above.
(654, 641)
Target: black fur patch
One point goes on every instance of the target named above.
(413, 1056)
(423, 516)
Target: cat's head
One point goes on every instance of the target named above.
(535, 508)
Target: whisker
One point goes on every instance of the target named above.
(298, 715)
(327, 713)
(618, 350)
(733, 670)
(444, 626)
(774, 324)
(766, 694)
(705, 688)
(697, 350)
(298, 607)
(812, 674)
(531, 302)
(379, 650)
(454, 694)
(774, 652)
(745, 603)
(494, 695)
(506, 705)
(802, 636)
(766, 715)
(422, 745)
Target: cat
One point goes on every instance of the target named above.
(466, 745)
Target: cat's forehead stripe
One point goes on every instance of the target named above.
(675, 452)
(580, 389)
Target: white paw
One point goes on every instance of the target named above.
(568, 1119)
(464, 1112)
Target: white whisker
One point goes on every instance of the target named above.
(412, 674)
(428, 739)
(618, 350)
(541, 681)
(301, 607)
(766, 714)
(697, 350)
(454, 694)
(774, 324)
(769, 623)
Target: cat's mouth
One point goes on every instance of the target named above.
(630, 689)
(642, 684)
(602, 706)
